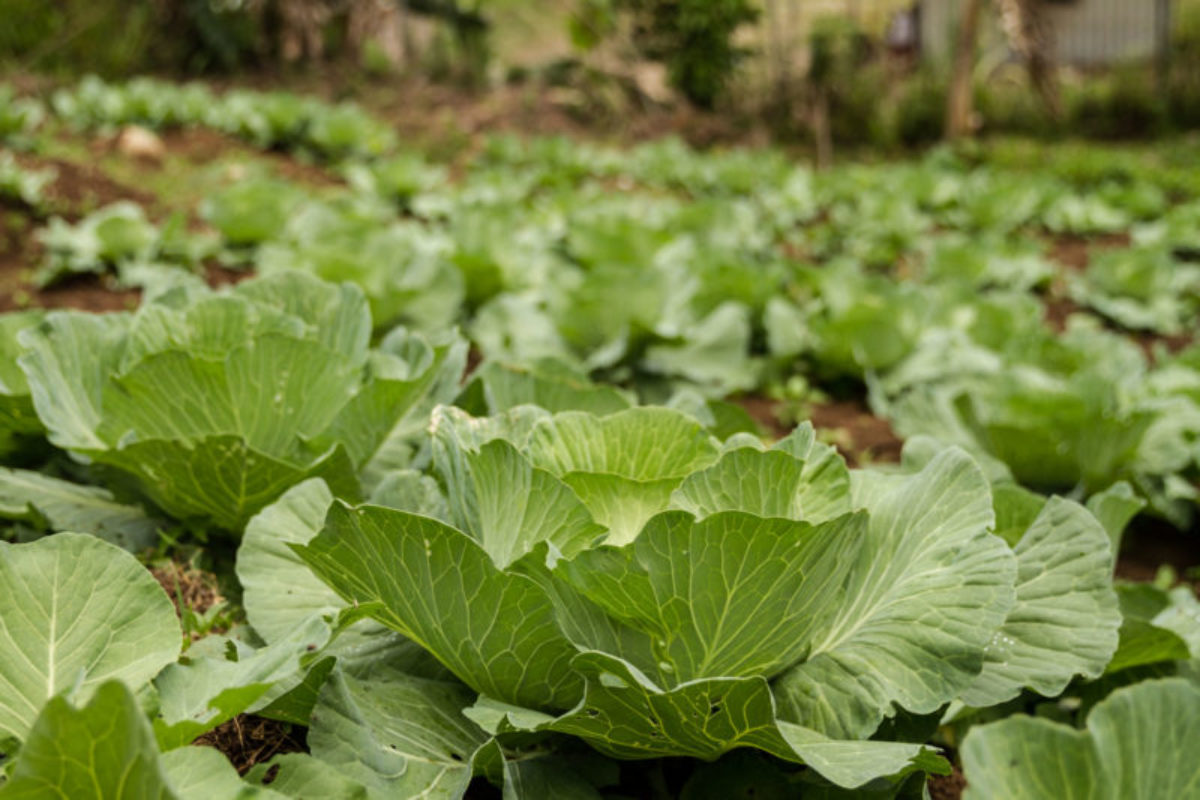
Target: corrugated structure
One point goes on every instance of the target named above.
(1088, 33)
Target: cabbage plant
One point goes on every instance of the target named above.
(211, 404)
(628, 580)
(1139, 742)
(18, 422)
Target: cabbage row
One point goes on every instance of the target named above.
(733, 272)
(578, 571)
(280, 120)
(528, 579)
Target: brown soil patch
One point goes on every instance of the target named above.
(1150, 544)
(19, 256)
(217, 275)
(764, 411)
(1072, 251)
(76, 190)
(1152, 342)
(195, 589)
(864, 433)
(86, 293)
(1058, 309)
(859, 435)
(247, 740)
(453, 119)
(16, 256)
(947, 787)
(203, 145)
(80, 188)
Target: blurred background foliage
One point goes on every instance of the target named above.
(841, 70)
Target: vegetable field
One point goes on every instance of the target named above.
(332, 468)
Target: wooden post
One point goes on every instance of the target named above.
(959, 105)
(1162, 36)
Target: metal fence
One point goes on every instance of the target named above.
(1087, 33)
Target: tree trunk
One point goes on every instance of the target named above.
(1031, 35)
(821, 128)
(959, 106)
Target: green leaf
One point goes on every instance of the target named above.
(1114, 508)
(201, 693)
(408, 378)
(300, 775)
(214, 402)
(1158, 626)
(1065, 619)
(623, 505)
(796, 479)
(76, 612)
(714, 352)
(624, 715)
(101, 751)
(1029, 757)
(733, 595)
(536, 778)
(500, 387)
(68, 361)
(280, 592)
(397, 735)
(508, 505)
(200, 773)
(623, 466)
(220, 477)
(642, 444)
(495, 630)
(271, 392)
(929, 589)
(1016, 509)
(766, 483)
(1138, 745)
(410, 490)
(1142, 643)
(17, 415)
(61, 505)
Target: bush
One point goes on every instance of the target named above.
(123, 37)
(921, 109)
(105, 36)
(1008, 103)
(694, 38)
(1183, 80)
(1122, 104)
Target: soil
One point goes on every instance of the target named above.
(456, 118)
(1072, 250)
(947, 787)
(19, 255)
(1058, 309)
(247, 740)
(860, 436)
(217, 275)
(196, 589)
(868, 438)
(764, 411)
(80, 188)
(1150, 544)
(203, 145)
(76, 190)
